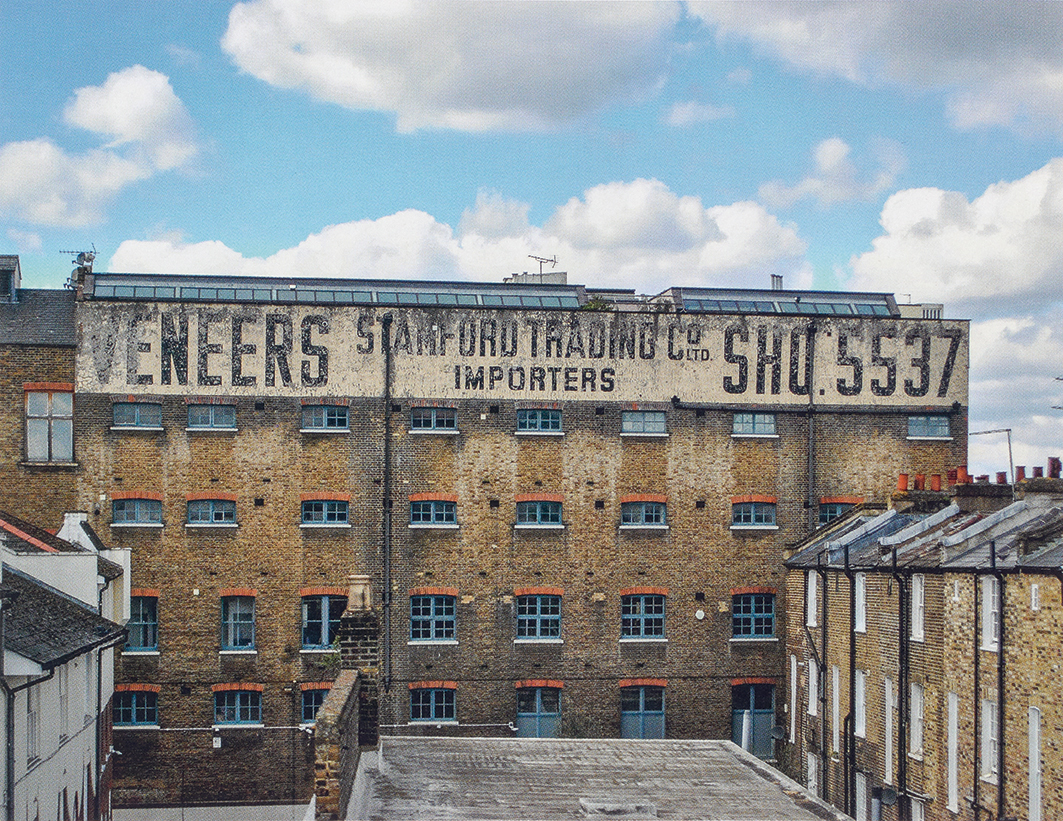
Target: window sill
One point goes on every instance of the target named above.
(137, 524)
(538, 433)
(453, 722)
(136, 726)
(538, 641)
(637, 435)
(49, 464)
(860, 630)
(989, 648)
(929, 438)
(643, 527)
(210, 430)
(325, 525)
(135, 652)
(257, 725)
(432, 527)
(754, 436)
(988, 779)
(531, 526)
(754, 527)
(433, 432)
(144, 428)
(210, 524)
(423, 642)
(238, 652)
(642, 640)
(916, 756)
(316, 651)
(324, 430)
(919, 639)
(753, 639)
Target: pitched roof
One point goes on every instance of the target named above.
(23, 536)
(39, 317)
(48, 627)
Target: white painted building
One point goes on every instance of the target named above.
(62, 601)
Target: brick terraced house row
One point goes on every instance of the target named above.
(923, 664)
(573, 504)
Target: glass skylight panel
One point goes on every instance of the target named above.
(428, 299)
(866, 310)
(492, 299)
(511, 301)
(407, 299)
(746, 307)
(765, 307)
(361, 296)
(386, 297)
(448, 299)
(788, 307)
(466, 299)
(123, 290)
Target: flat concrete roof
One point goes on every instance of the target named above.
(456, 778)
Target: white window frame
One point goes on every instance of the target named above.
(860, 616)
(917, 713)
(952, 752)
(860, 704)
(918, 807)
(63, 677)
(990, 742)
(811, 599)
(793, 698)
(1034, 811)
(57, 426)
(835, 707)
(918, 612)
(33, 723)
(1035, 597)
(813, 688)
(643, 423)
(990, 613)
(889, 703)
(812, 773)
(860, 797)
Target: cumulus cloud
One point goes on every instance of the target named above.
(149, 130)
(996, 259)
(998, 62)
(836, 177)
(688, 113)
(468, 66)
(637, 234)
(25, 241)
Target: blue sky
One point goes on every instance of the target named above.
(911, 148)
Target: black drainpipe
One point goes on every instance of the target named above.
(823, 753)
(810, 451)
(902, 687)
(850, 746)
(385, 341)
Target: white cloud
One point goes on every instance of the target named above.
(636, 235)
(999, 254)
(150, 132)
(688, 113)
(469, 66)
(836, 177)
(25, 241)
(998, 62)
(998, 260)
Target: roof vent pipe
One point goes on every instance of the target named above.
(776, 282)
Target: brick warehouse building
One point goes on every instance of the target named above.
(574, 504)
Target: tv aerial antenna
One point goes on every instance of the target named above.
(552, 261)
(83, 265)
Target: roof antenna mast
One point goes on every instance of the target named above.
(83, 263)
(542, 260)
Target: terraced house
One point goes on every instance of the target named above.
(573, 503)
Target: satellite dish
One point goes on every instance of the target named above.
(778, 732)
(889, 797)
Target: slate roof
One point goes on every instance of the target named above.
(26, 537)
(48, 627)
(39, 317)
(547, 778)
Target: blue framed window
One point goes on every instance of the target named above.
(758, 702)
(753, 514)
(538, 712)
(432, 704)
(433, 512)
(832, 510)
(642, 616)
(641, 514)
(326, 417)
(212, 512)
(433, 419)
(132, 707)
(538, 513)
(642, 712)
(238, 623)
(324, 512)
(643, 422)
(238, 707)
(137, 415)
(143, 624)
(539, 419)
(538, 617)
(433, 618)
(136, 511)
(321, 620)
(312, 701)
(753, 615)
(212, 416)
(754, 424)
(933, 425)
